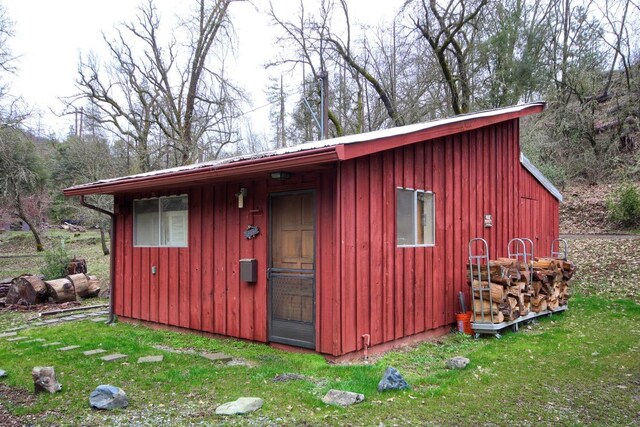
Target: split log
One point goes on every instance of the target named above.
(497, 318)
(85, 287)
(5, 284)
(26, 290)
(496, 291)
(61, 290)
(485, 307)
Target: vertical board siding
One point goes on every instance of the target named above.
(365, 284)
(411, 290)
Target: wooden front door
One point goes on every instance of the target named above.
(292, 269)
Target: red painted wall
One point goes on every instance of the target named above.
(198, 287)
(365, 284)
(390, 292)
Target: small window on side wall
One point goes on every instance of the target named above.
(161, 221)
(415, 217)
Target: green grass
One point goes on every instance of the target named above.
(580, 367)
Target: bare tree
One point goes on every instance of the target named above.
(154, 87)
(22, 180)
(449, 30)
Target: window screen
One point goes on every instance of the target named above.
(415, 222)
(161, 222)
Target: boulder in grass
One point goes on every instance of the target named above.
(44, 379)
(3, 373)
(457, 362)
(342, 398)
(392, 380)
(241, 406)
(108, 397)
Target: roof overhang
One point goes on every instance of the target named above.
(304, 156)
(526, 163)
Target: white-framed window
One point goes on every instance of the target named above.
(415, 217)
(161, 221)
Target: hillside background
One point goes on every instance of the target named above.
(157, 102)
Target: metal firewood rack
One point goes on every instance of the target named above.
(517, 249)
(476, 260)
(563, 249)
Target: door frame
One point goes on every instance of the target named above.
(271, 196)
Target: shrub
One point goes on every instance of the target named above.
(624, 206)
(56, 260)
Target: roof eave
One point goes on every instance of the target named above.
(224, 171)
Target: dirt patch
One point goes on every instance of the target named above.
(11, 396)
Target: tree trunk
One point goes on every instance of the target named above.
(34, 231)
(26, 290)
(61, 290)
(105, 248)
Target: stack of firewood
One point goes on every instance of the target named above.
(30, 289)
(512, 290)
(550, 283)
(4, 286)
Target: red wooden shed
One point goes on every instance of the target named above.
(345, 243)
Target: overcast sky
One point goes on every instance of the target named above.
(51, 34)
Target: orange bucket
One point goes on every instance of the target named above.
(464, 322)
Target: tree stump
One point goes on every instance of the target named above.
(27, 290)
(61, 290)
(77, 265)
(44, 379)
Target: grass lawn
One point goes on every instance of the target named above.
(579, 367)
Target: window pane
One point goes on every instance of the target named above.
(146, 220)
(405, 214)
(174, 218)
(424, 220)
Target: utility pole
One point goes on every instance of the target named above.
(324, 104)
(282, 142)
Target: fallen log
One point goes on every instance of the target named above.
(85, 286)
(26, 290)
(60, 290)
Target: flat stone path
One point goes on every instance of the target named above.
(92, 352)
(67, 348)
(50, 344)
(8, 334)
(113, 357)
(12, 335)
(151, 359)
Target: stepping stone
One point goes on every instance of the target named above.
(49, 344)
(34, 340)
(51, 321)
(99, 319)
(8, 334)
(151, 359)
(113, 357)
(92, 352)
(70, 347)
(17, 328)
(17, 338)
(216, 357)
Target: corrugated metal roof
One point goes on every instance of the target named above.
(305, 149)
(526, 163)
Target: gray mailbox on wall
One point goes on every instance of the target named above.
(249, 270)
